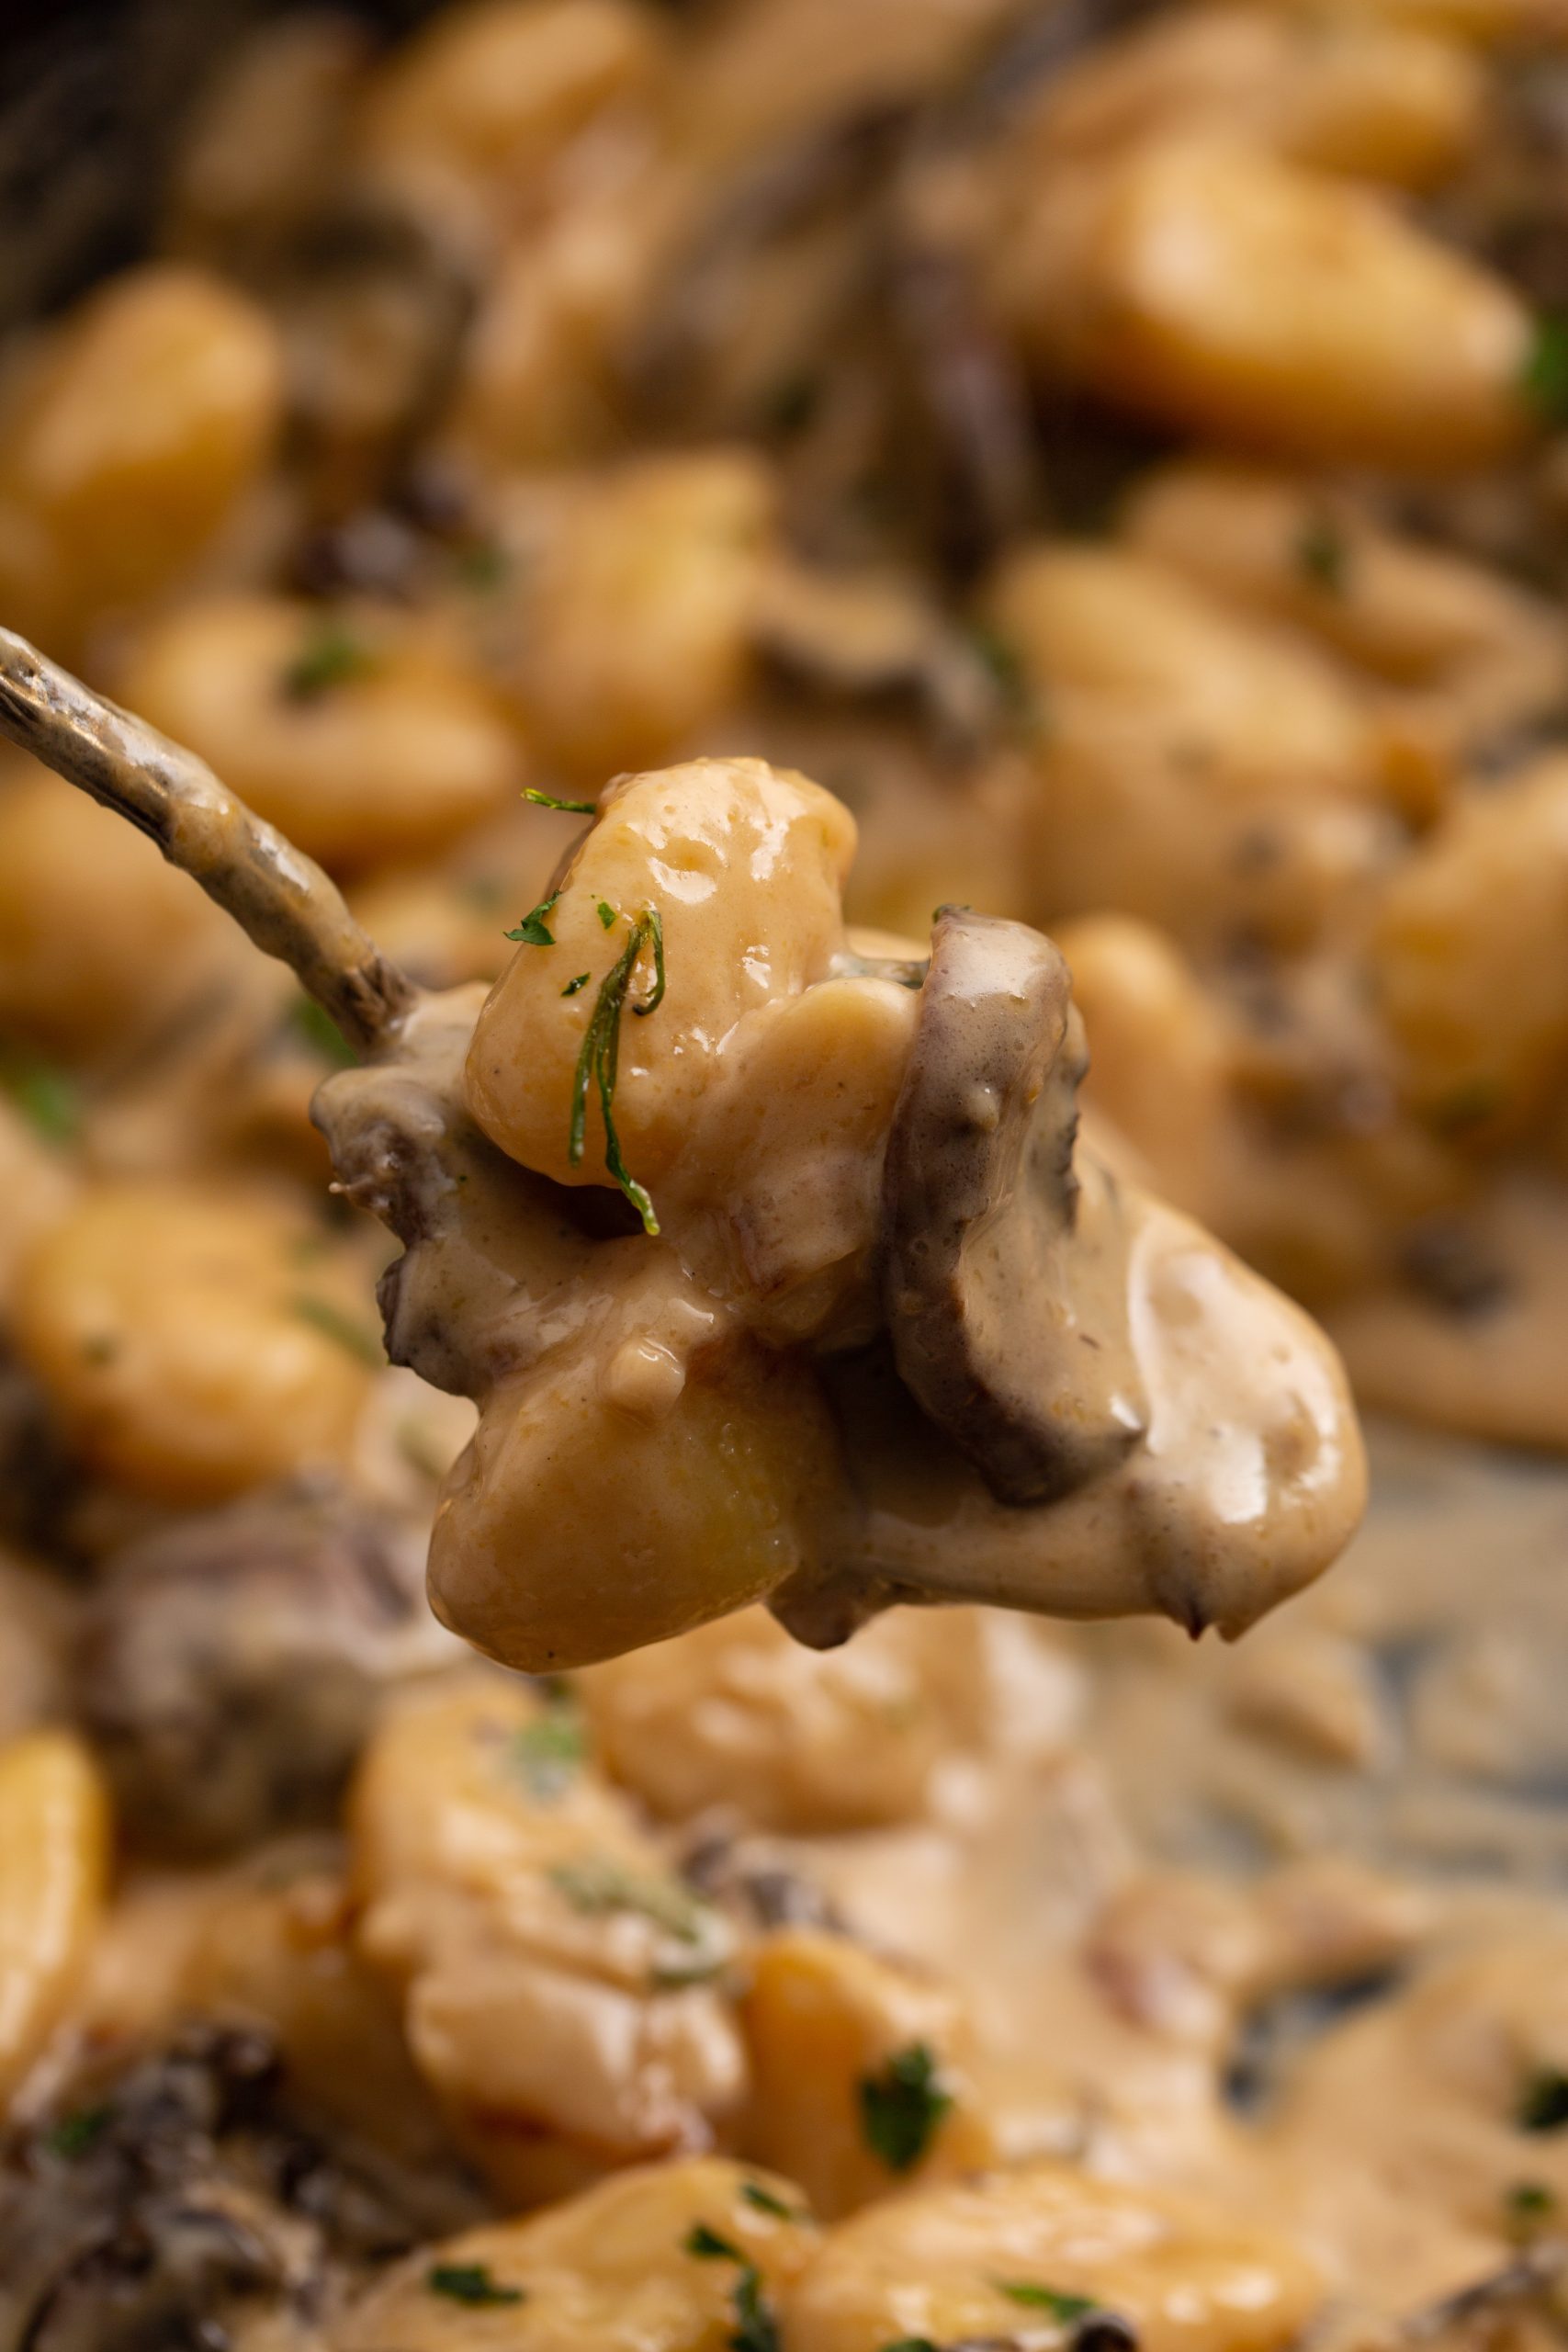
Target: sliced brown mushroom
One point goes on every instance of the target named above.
(1006, 1307)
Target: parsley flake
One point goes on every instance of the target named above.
(330, 656)
(599, 1055)
(571, 808)
(605, 912)
(1002, 659)
(910, 2344)
(469, 2283)
(1322, 557)
(314, 1027)
(580, 982)
(533, 931)
(550, 1752)
(766, 2202)
(901, 2108)
(756, 2329)
(1543, 2105)
(47, 1097)
(1544, 379)
(1066, 2308)
(1529, 2204)
(596, 1884)
(708, 2247)
(74, 2134)
(354, 1337)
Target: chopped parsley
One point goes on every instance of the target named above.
(74, 2134)
(766, 2202)
(314, 1027)
(901, 2108)
(1544, 379)
(354, 1337)
(605, 912)
(330, 656)
(484, 565)
(1322, 557)
(600, 1053)
(910, 2344)
(533, 931)
(46, 1096)
(469, 2283)
(1066, 2308)
(581, 982)
(596, 1884)
(708, 2247)
(1529, 2204)
(572, 807)
(1543, 2105)
(756, 2329)
(1001, 659)
(550, 1752)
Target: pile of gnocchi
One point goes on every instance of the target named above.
(1119, 452)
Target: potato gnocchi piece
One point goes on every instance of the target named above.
(54, 1864)
(100, 939)
(130, 435)
(1456, 657)
(1374, 100)
(859, 2072)
(491, 92)
(194, 1345)
(737, 1714)
(688, 2256)
(365, 738)
(629, 627)
(1195, 767)
(1047, 2247)
(1468, 957)
(1232, 294)
(558, 1980)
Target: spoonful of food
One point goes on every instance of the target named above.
(770, 1253)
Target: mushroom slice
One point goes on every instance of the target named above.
(1005, 1300)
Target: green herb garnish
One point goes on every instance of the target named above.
(572, 807)
(485, 564)
(600, 1053)
(1544, 379)
(708, 2247)
(74, 2134)
(551, 1751)
(1322, 557)
(596, 1884)
(756, 2329)
(766, 2202)
(533, 931)
(1529, 2205)
(901, 2108)
(1001, 659)
(315, 1028)
(1543, 2105)
(605, 912)
(355, 1338)
(910, 2344)
(469, 2283)
(581, 982)
(330, 656)
(46, 1096)
(1067, 2307)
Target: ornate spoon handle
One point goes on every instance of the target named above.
(280, 897)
